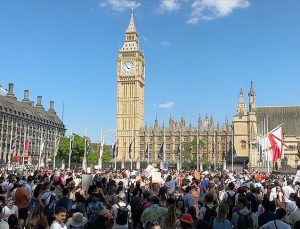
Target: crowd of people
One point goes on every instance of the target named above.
(43, 199)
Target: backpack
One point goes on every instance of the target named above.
(122, 215)
(51, 204)
(245, 221)
(210, 214)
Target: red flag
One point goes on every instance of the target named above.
(26, 147)
(276, 142)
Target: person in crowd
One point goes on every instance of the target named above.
(60, 216)
(13, 222)
(277, 223)
(291, 204)
(10, 209)
(192, 211)
(288, 190)
(65, 200)
(188, 198)
(121, 212)
(186, 221)
(78, 221)
(3, 223)
(295, 215)
(280, 201)
(221, 221)
(136, 204)
(180, 207)
(169, 221)
(244, 218)
(94, 207)
(267, 215)
(22, 202)
(37, 219)
(209, 211)
(154, 214)
(229, 198)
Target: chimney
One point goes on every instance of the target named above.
(10, 92)
(39, 102)
(51, 109)
(26, 97)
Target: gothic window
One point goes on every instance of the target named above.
(243, 144)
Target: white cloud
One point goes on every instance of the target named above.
(169, 5)
(165, 43)
(145, 38)
(167, 105)
(212, 9)
(119, 5)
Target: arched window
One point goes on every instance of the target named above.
(243, 144)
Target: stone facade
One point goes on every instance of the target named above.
(130, 93)
(21, 120)
(216, 140)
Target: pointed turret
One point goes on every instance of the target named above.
(156, 122)
(241, 107)
(251, 95)
(131, 27)
(200, 123)
(131, 36)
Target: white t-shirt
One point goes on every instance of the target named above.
(56, 225)
(114, 210)
(279, 223)
(3, 225)
(7, 211)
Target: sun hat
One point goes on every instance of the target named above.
(121, 195)
(186, 218)
(77, 220)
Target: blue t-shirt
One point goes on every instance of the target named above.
(65, 202)
(218, 224)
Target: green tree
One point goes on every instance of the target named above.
(64, 149)
(93, 154)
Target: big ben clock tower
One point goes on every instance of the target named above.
(130, 93)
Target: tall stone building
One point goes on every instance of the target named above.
(248, 128)
(21, 121)
(130, 93)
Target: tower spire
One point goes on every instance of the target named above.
(131, 27)
(251, 95)
(241, 107)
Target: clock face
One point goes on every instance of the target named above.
(127, 67)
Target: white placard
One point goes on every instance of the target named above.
(87, 181)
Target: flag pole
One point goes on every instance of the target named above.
(215, 154)
(84, 156)
(147, 147)
(70, 149)
(267, 127)
(11, 133)
(164, 146)
(232, 147)
(197, 152)
(100, 151)
(24, 142)
(115, 153)
(131, 153)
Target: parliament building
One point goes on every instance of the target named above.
(217, 139)
(28, 131)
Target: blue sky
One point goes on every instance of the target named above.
(199, 53)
